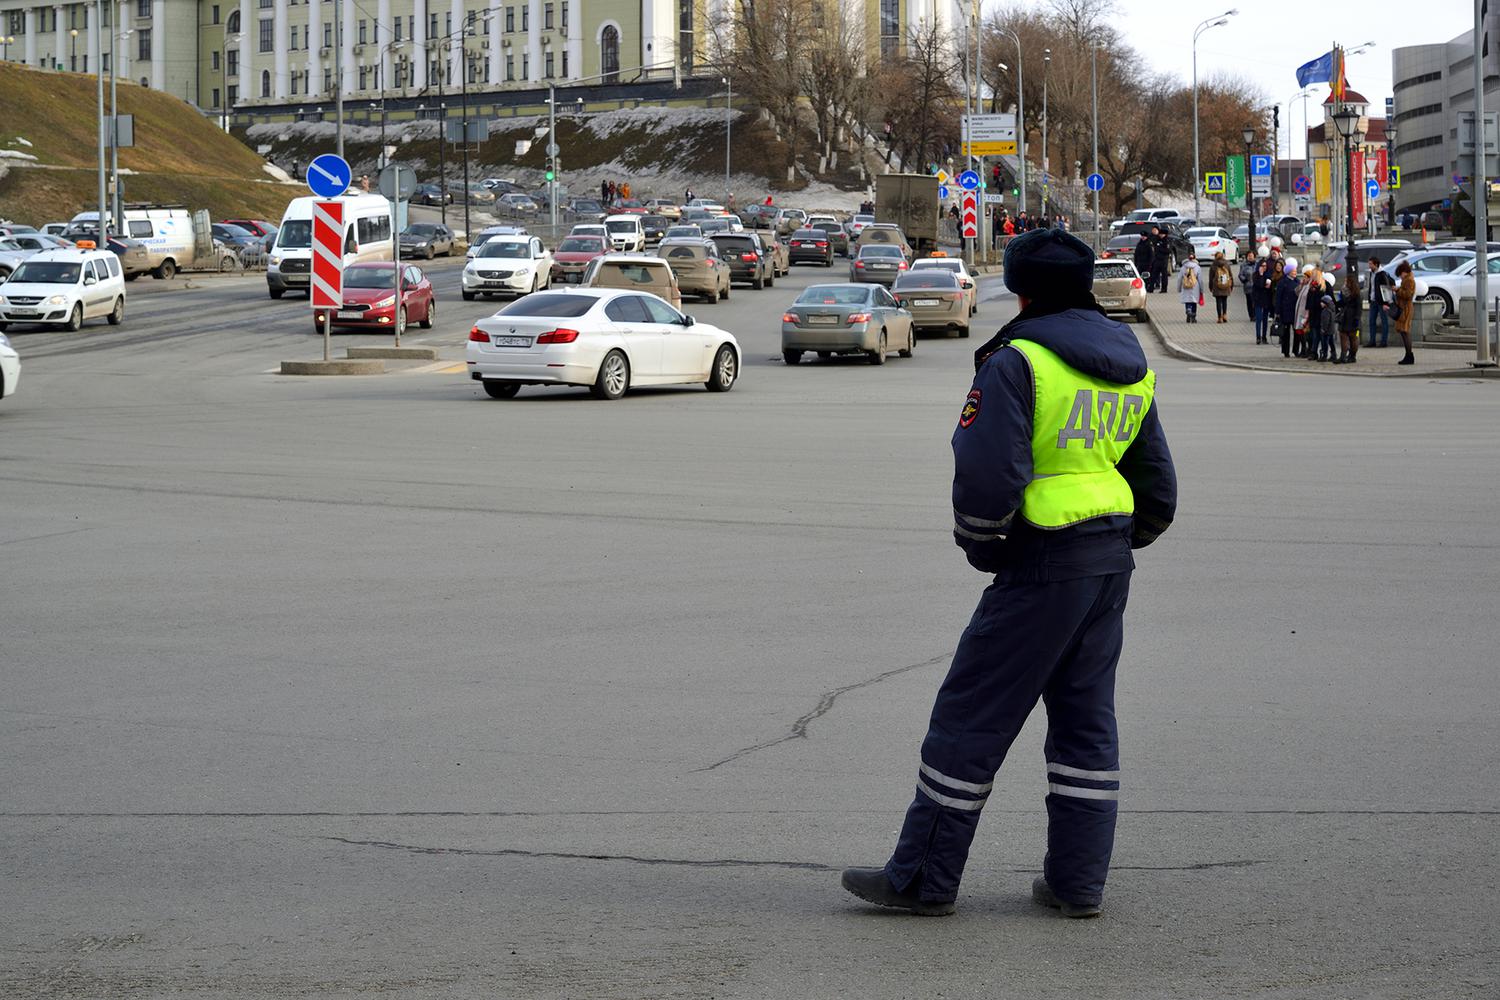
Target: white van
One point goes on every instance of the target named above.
(626, 235)
(64, 288)
(166, 232)
(367, 236)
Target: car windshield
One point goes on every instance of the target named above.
(38, 272)
(421, 231)
(296, 234)
(237, 232)
(880, 251)
(639, 274)
(1139, 215)
(504, 248)
(928, 278)
(809, 234)
(370, 277)
(580, 244)
(945, 265)
(559, 304)
(865, 219)
(834, 295)
(653, 220)
(714, 225)
(621, 225)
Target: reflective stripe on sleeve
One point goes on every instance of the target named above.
(1083, 793)
(967, 805)
(962, 786)
(993, 536)
(981, 522)
(1078, 772)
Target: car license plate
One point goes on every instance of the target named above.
(1111, 303)
(23, 314)
(882, 267)
(924, 302)
(295, 279)
(350, 314)
(494, 281)
(822, 320)
(511, 341)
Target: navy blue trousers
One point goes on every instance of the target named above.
(1059, 642)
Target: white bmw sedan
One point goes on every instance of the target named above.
(604, 338)
(10, 367)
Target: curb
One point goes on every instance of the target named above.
(393, 353)
(372, 367)
(1183, 354)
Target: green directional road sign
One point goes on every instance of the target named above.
(1234, 180)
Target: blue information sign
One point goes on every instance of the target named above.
(1260, 165)
(943, 192)
(1095, 182)
(328, 176)
(1372, 189)
(968, 180)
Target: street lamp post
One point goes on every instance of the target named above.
(6, 40)
(1046, 175)
(98, 42)
(73, 49)
(728, 123)
(1020, 110)
(1212, 22)
(114, 123)
(1346, 120)
(1390, 160)
(229, 39)
(1249, 136)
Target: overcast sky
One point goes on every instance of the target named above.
(1268, 43)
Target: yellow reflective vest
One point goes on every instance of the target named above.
(1081, 426)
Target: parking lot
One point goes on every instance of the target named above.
(373, 684)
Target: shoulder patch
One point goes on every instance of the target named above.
(970, 412)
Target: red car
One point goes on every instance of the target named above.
(629, 206)
(370, 298)
(573, 255)
(259, 227)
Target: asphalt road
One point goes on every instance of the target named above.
(359, 686)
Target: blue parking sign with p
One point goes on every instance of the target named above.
(1260, 165)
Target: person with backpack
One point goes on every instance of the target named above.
(1349, 316)
(1190, 288)
(1220, 284)
(1247, 282)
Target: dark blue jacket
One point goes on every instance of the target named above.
(1286, 302)
(992, 454)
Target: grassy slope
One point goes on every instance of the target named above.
(179, 155)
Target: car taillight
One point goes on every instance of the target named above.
(478, 336)
(822, 243)
(747, 256)
(859, 263)
(901, 266)
(1137, 283)
(558, 336)
(789, 317)
(859, 317)
(1213, 243)
(952, 296)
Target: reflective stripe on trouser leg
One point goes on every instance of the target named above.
(1083, 754)
(1018, 634)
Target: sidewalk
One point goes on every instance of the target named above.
(1233, 344)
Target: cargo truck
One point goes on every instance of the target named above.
(911, 202)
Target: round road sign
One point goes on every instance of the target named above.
(1095, 182)
(968, 180)
(397, 182)
(328, 176)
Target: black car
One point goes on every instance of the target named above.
(655, 226)
(431, 194)
(837, 238)
(585, 210)
(747, 257)
(810, 245)
(1180, 247)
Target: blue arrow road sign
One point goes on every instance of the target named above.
(968, 180)
(328, 176)
(1260, 165)
(1095, 182)
(1372, 189)
(943, 192)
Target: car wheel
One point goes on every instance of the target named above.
(400, 320)
(117, 314)
(75, 321)
(825, 355)
(963, 332)
(276, 293)
(468, 296)
(758, 282)
(725, 293)
(791, 357)
(4, 326)
(4, 273)
(1438, 295)
(911, 344)
(614, 377)
(136, 274)
(725, 370)
(166, 270)
(1140, 315)
(426, 323)
(877, 356)
(497, 389)
(771, 280)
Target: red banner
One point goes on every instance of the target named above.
(1357, 185)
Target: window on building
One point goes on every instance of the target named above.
(564, 20)
(327, 80)
(327, 36)
(510, 19)
(565, 64)
(890, 27)
(448, 24)
(292, 41)
(232, 26)
(411, 26)
(143, 44)
(232, 95)
(216, 97)
(105, 60)
(510, 68)
(432, 26)
(364, 31)
(215, 20)
(232, 65)
(265, 83)
(295, 78)
(548, 64)
(364, 78)
(213, 64)
(398, 29)
(547, 18)
(267, 4)
(526, 18)
(685, 32)
(526, 65)
(143, 9)
(375, 32)
(609, 54)
(267, 35)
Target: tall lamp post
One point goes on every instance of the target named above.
(1212, 22)
(6, 40)
(114, 123)
(230, 38)
(1046, 175)
(1249, 136)
(73, 49)
(1390, 161)
(1020, 110)
(1346, 120)
(728, 120)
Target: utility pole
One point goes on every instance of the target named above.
(338, 72)
(1094, 86)
(115, 36)
(728, 124)
(1046, 174)
(1482, 356)
(99, 74)
(463, 68)
(552, 157)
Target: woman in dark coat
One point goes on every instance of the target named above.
(1286, 308)
(1258, 289)
(1350, 306)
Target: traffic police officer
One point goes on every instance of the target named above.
(1061, 469)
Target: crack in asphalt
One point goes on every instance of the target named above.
(570, 856)
(798, 730)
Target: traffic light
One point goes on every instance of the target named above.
(551, 176)
(1275, 117)
(1015, 192)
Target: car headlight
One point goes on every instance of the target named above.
(468, 269)
(4, 340)
(276, 259)
(57, 300)
(384, 303)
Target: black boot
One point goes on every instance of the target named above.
(1410, 359)
(1042, 893)
(872, 885)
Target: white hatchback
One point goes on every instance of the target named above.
(603, 338)
(64, 288)
(507, 265)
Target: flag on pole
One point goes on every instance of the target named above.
(1340, 82)
(1320, 70)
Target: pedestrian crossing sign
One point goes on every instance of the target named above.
(1213, 183)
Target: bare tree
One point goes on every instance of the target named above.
(765, 45)
(915, 93)
(834, 73)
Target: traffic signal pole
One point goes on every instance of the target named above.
(1482, 356)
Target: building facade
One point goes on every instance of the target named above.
(1431, 86)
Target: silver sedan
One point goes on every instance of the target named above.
(846, 319)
